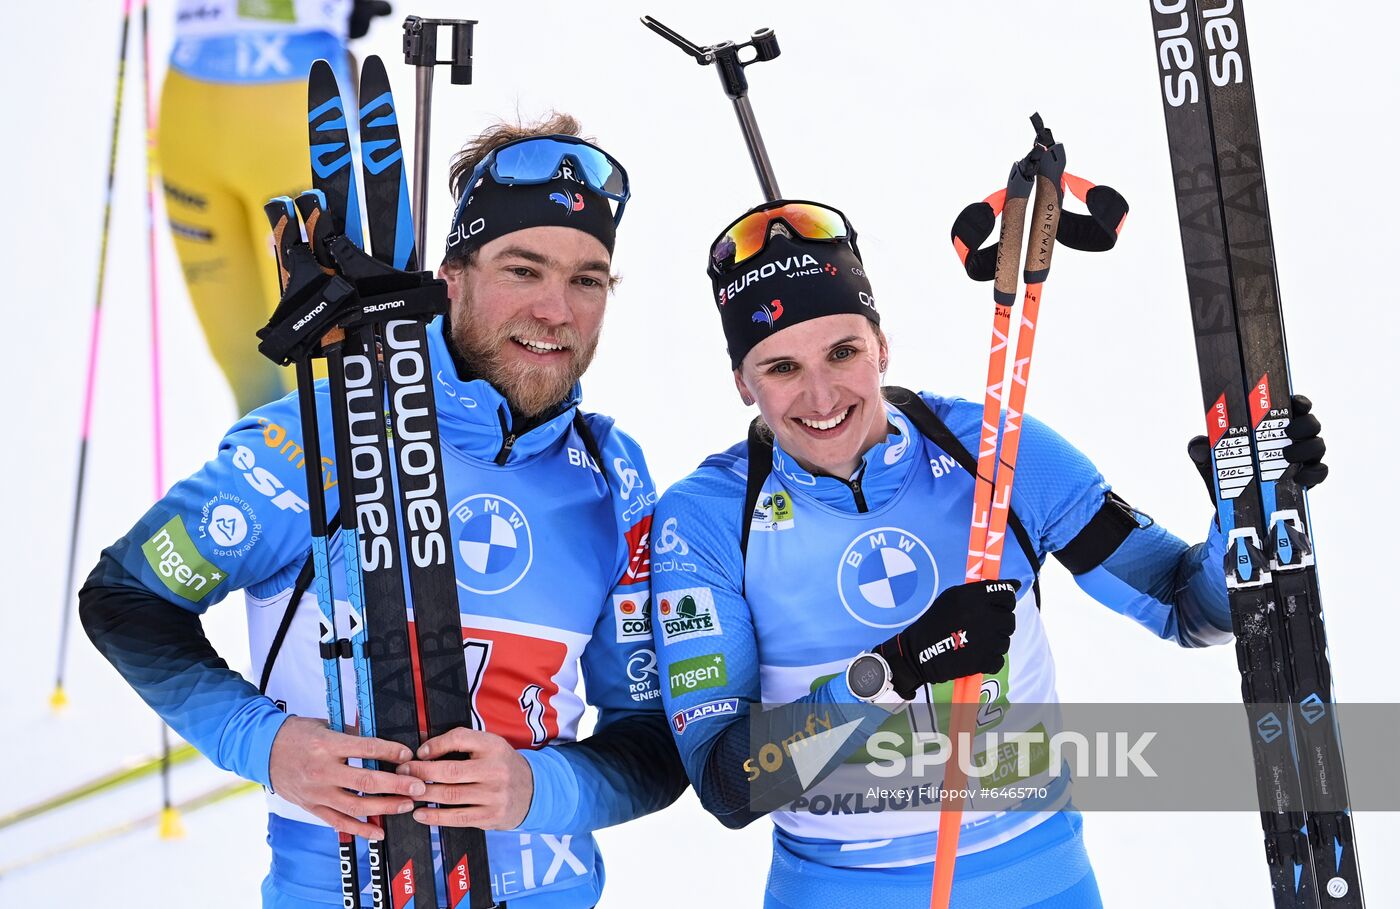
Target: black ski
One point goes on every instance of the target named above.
(1264, 349)
(1218, 177)
(387, 360)
(432, 576)
(384, 672)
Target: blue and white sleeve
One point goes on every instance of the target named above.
(237, 522)
(1119, 555)
(707, 655)
(628, 767)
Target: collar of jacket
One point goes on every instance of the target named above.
(475, 419)
(882, 471)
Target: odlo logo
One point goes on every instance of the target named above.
(463, 232)
(174, 558)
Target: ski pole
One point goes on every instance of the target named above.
(996, 458)
(286, 233)
(420, 40)
(113, 779)
(1000, 438)
(59, 698)
(209, 797)
(725, 57)
(170, 827)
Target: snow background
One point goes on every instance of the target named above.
(898, 114)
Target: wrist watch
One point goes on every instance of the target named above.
(868, 677)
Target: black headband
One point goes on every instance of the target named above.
(790, 281)
(495, 209)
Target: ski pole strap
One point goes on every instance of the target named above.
(312, 300)
(385, 292)
(1096, 231)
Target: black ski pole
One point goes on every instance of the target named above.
(726, 58)
(420, 42)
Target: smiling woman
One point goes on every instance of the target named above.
(836, 590)
(817, 386)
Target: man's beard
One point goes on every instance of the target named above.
(531, 389)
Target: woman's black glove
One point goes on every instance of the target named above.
(967, 629)
(1306, 448)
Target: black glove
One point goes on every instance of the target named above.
(967, 629)
(1305, 450)
(361, 14)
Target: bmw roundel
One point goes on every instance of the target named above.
(494, 547)
(887, 577)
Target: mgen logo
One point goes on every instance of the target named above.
(179, 565)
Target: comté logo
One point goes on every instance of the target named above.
(633, 614)
(688, 613)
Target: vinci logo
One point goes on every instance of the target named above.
(769, 313)
(174, 558)
(570, 205)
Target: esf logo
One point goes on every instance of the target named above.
(494, 546)
(886, 578)
(266, 482)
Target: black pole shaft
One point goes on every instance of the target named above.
(748, 124)
(422, 127)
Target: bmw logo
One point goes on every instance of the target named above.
(494, 548)
(886, 578)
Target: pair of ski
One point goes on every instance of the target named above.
(1281, 645)
(367, 317)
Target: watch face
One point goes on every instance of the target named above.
(867, 676)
